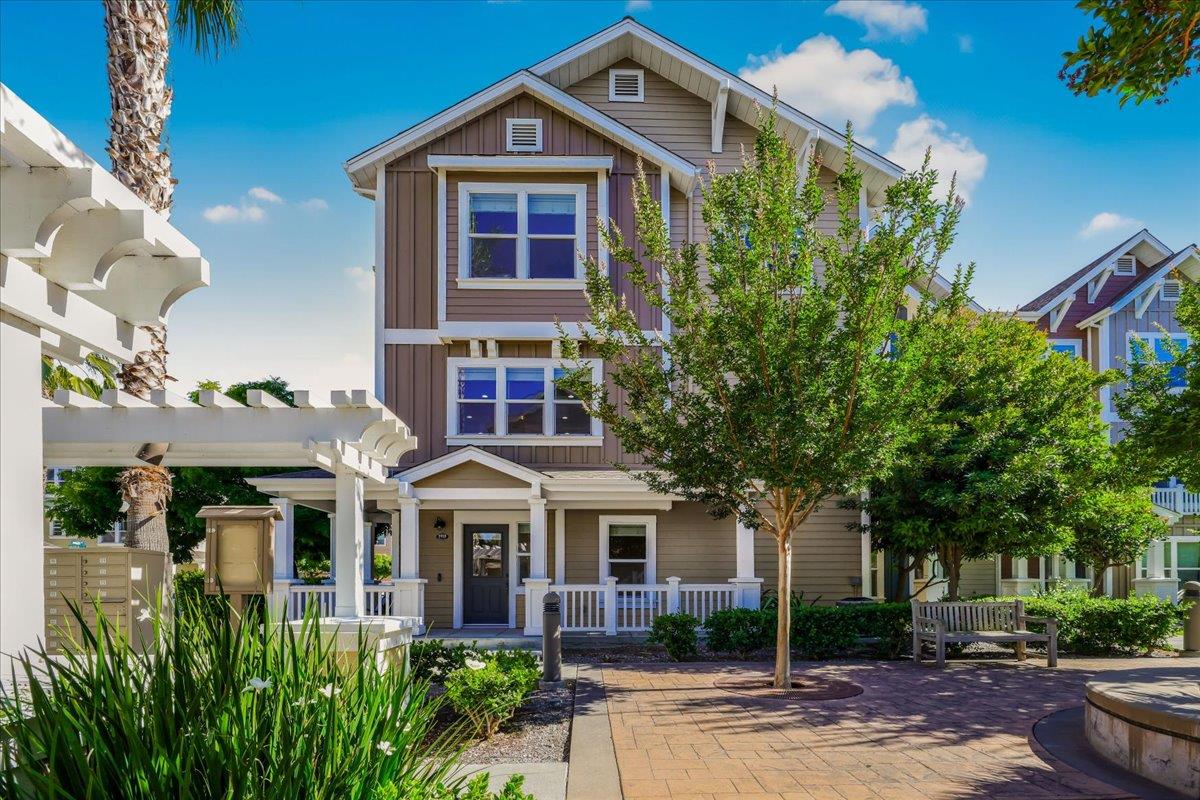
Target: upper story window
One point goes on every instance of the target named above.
(524, 135)
(521, 235)
(626, 85)
(1170, 291)
(1125, 265)
(1161, 349)
(515, 400)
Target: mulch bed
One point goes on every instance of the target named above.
(540, 730)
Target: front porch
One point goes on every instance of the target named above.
(478, 540)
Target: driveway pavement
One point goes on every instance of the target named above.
(915, 732)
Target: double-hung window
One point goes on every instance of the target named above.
(627, 548)
(1159, 344)
(521, 235)
(516, 401)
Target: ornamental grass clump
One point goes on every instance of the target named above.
(221, 710)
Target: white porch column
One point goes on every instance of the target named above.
(348, 536)
(332, 546)
(537, 584)
(22, 581)
(1156, 582)
(560, 545)
(409, 600)
(747, 588)
(285, 567)
(368, 567)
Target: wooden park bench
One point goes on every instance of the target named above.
(964, 623)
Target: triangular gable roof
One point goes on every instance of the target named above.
(361, 168)
(630, 39)
(470, 454)
(1050, 298)
(1151, 276)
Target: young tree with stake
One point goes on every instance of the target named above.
(788, 377)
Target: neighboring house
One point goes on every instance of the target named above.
(1095, 313)
(114, 535)
(480, 212)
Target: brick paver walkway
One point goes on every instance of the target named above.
(915, 732)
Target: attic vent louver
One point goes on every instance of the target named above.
(1126, 265)
(524, 136)
(626, 85)
(1171, 290)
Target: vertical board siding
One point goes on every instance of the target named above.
(826, 554)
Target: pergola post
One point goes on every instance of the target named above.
(537, 584)
(368, 567)
(285, 565)
(332, 547)
(349, 600)
(409, 600)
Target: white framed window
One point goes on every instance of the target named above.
(1160, 349)
(1170, 291)
(523, 135)
(516, 401)
(524, 555)
(628, 548)
(626, 85)
(1072, 347)
(521, 236)
(1125, 265)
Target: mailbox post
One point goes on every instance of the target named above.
(239, 551)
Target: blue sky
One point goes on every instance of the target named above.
(315, 82)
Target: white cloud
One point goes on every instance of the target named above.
(264, 194)
(1107, 221)
(636, 5)
(226, 213)
(966, 43)
(823, 79)
(883, 18)
(952, 153)
(314, 205)
(363, 278)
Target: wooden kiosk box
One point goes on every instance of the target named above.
(239, 549)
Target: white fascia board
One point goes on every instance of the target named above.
(26, 294)
(522, 163)
(474, 454)
(749, 90)
(465, 110)
(1095, 319)
(1138, 238)
(1156, 277)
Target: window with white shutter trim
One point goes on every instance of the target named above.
(1126, 265)
(524, 135)
(626, 85)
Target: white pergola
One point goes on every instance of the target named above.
(349, 434)
(83, 263)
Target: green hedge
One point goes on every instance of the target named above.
(1105, 625)
(818, 632)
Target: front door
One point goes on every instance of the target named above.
(485, 574)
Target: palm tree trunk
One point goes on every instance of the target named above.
(138, 34)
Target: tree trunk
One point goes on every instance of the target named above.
(783, 623)
(1098, 573)
(951, 558)
(139, 38)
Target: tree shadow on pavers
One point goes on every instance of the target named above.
(967, 724)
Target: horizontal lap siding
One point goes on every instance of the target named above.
(825, 555)
(695, 547)
(978, 578)
(437, 558)
(581, 533)
(469, 476)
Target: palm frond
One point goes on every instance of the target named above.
(212, 26)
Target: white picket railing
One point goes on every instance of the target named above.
(379, 601)
(302, 596)
(1177, 499)
(702, 599)
(613, 608)
(582, 606)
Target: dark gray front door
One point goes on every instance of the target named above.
(485, 574)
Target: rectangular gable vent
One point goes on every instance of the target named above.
(1126, 265)
(1171, 290)
(626, 85)
(524, 136)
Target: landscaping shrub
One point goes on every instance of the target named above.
(489, 692)
(477, 789)
(740, 630)
(677, 633)
(433, 660)
(820, 632)
(889, 623)
(219, 711)
(1106, 625)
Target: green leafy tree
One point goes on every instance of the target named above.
(1003, 458)
(1160, 405)
(1112, 527)
(95, 374)
(1137, 48)
(780, 386)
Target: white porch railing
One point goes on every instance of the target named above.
(1177, 499)
(379, 600)
(613, 608)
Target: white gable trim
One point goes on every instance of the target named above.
(1155, 279)
(482, 457)
(684, 171)
(1141, 237)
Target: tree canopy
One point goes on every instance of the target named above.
(788, 377)
(1111, 527)
(1137, 48)
(1006, 453)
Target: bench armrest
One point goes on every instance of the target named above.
(936, 623)
(1051, 623)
